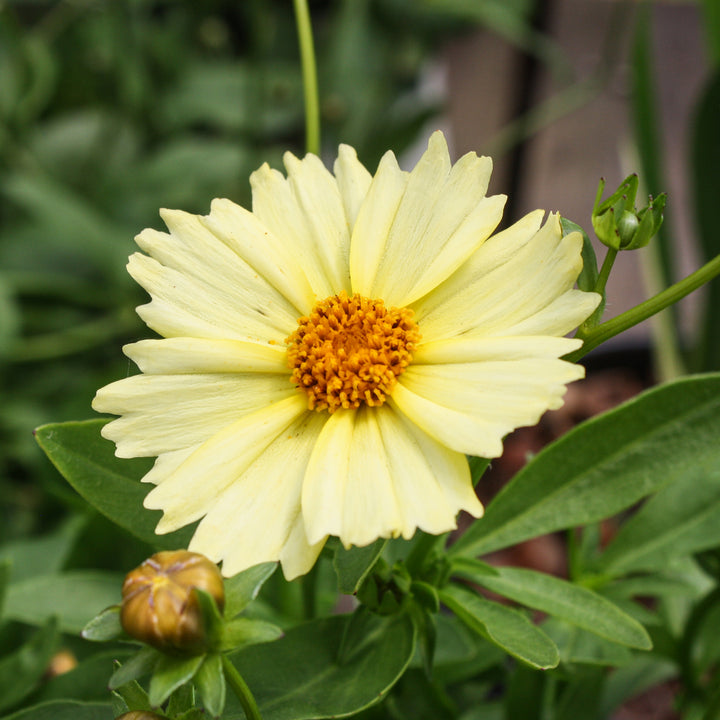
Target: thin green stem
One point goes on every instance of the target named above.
(586, 328)
(598, 335)
(309, 75)
(241, 690)
(607, 265)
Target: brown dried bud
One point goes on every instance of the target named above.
(159, 606)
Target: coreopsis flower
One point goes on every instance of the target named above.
(329, 358)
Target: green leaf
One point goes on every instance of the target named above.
(5, 569)
(508, 629)
(461, 653)
(299, 677)
(169, 674)
(681, 519)
(181, 701)
(104, 626)
(248, 631)
(75, 597)
(582, 692)
(574, 604)
(210, 681)
(134, 696)
(212, 621)
(426, 630)
(21, 670)
(605, 465)
(110, 484)
(470, 568)
(711, 12)
(478, 466)
(353, 566)
(87, 681)
(136, 667)
(64, 710)
(45, 554)
(243, 588)
(578, 646)
(705, 160)
(524, 694)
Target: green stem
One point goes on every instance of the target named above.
(309, 75)
(584, 330)
(607, 265)
(241, 690)
(598, 335)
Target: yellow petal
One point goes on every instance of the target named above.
(258, 514)
(374, 220)
(166, 464)
(272, 258)
(493, 396)
(185, 306)
(442, 217)
(431, 482)
(348, 491)
(194, 487)
(490, 298)
(353, 182)
(316, 193)
(460, 431)
(466, 350)
(298, 555)
(206, 261)
(559, 317)
(161, 413)
(198, 355)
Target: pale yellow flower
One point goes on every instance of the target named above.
(329, 358)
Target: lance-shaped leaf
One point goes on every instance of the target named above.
(572, 603)
(605, 465)
(110, 484)
(64, 710)
(506, 628)
(681, 519)
(75, 597)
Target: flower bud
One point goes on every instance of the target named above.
(618, 224)
(159, 606)
(140, 715)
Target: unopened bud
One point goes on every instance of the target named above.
(140, 715)
(61, 662)
(159, 606)
(618, 224)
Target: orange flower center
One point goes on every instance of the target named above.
(351, 350)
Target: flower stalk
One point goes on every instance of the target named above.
(603, 332)
(241, 690)
(309, 75)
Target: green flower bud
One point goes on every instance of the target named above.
(159, 605)
(618, 224)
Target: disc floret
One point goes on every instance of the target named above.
(350, 351)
